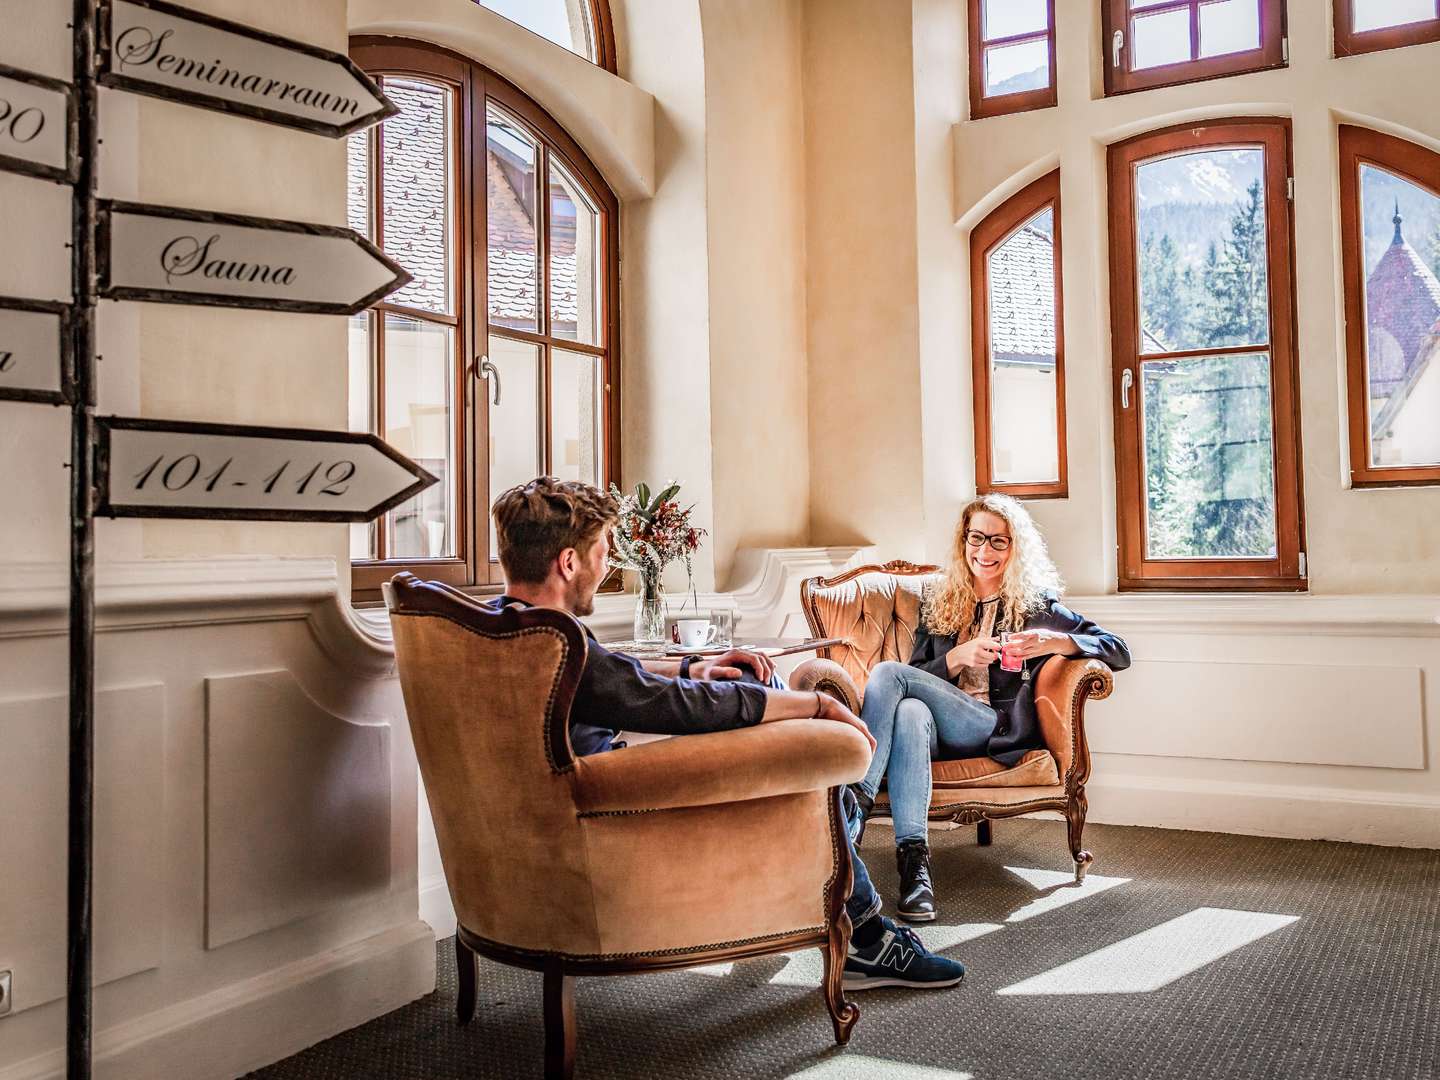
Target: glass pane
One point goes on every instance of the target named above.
(510, 186)
(1378, 14)
(1202, 253)
(1401, 226)
(514, 424)
(565, 22)
(1209, 473)
(419, 196)
(1229, 26)
(1021, 282)
(357, 189)
(1158, 39)
(1010, 18)
(362, 417)
(576, 417)
(1138, 5)
(574, 265)
(419, 422)
(1009, 69)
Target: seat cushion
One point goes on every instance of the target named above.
(1036, 768)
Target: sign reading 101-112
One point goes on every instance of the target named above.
(179, 469)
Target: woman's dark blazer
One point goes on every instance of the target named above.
(1018, 728)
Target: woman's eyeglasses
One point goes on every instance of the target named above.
(977, 539)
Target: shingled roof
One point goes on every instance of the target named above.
(1402, 304)
(1022, 298)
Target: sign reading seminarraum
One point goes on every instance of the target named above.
(49, 130)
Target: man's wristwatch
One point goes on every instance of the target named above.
(685, 664)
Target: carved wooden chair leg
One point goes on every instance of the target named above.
(843, 1014)
(1075, 817)
(467, 965)
(982, 832)
(559, 996)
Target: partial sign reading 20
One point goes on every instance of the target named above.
(21, 125)
(178, 473)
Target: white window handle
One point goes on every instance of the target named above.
(1117, 42)
(1127, 380)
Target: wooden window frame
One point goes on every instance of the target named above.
(1421, 167)
(1119, 79)
(475, 566)
(1004, 104)
(1349, 42)
(997, 227)
(1136, 570)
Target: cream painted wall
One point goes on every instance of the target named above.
(1358, 541)
(755, 216)
(867, 481)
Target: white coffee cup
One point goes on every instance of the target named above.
(695, 633)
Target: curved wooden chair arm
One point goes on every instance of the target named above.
(827, 677)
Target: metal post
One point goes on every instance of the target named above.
(82, 555)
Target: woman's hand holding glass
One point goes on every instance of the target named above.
(977, 652)
(1028, 644)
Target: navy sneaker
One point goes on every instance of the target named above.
(899, 959)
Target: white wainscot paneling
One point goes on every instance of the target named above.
(129, 838)
(297, 815)
(1320, 714)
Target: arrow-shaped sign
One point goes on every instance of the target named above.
(36, 128)
(35, 349)
(165, 51)
(192, 257)
(177, 469)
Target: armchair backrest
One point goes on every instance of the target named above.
(488, 696)
(876, 607)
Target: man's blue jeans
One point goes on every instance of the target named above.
(914, 717)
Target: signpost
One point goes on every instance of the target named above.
(49, 129)
(165, 51)
(160, 468)
(193, 257)
(37, 129)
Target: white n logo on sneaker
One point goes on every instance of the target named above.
(897, 957)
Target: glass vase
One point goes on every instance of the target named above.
(650, 611)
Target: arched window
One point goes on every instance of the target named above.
(1207, 447)
(582, 26)
(1151, 43)
(1018, 345)
(499, 362)
(1363, 26)
(1390, 251)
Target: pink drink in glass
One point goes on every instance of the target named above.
(1009, 654)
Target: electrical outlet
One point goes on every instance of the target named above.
(4, 992)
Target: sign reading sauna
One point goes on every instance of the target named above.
(166, 51)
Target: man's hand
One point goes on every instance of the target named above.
(1029, 644)
(977, 652)
(831, 709)
(729, 665)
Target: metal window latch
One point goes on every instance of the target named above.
(1127, 380)
(484, 369)
(1117, 42)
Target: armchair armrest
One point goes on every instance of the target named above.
(828, 677)
(1061, 689)
(783, 757)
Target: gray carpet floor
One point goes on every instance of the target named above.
(1215, 957)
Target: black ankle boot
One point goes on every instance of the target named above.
(866, 804)
(917, 896)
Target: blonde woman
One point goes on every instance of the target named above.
(953, 700)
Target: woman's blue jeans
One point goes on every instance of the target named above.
(916, 716)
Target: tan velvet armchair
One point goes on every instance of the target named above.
(674, 853)
(877, 609)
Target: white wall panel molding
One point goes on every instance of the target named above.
(155, 593)
(1268, 615)
(129, 838)
(613, 120)
(297, 810)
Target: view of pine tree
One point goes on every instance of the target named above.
(1208, 456)
(1431, 251)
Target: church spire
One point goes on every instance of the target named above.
(1399, 239)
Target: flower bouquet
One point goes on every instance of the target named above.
(652, 533)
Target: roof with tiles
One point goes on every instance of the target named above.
(1022, 298)
(1402, 302)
